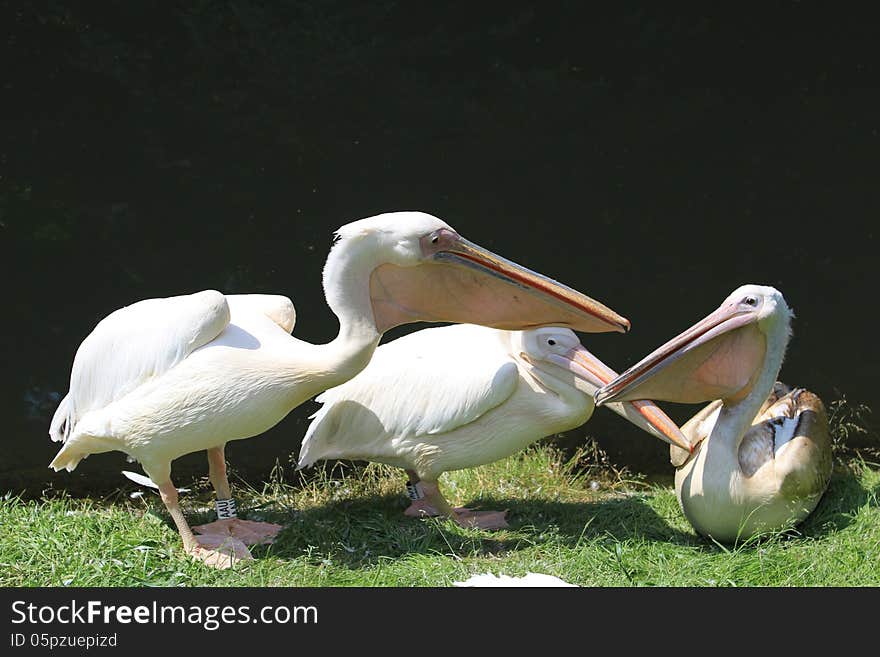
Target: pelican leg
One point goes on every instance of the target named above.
(248, 532)
(464, 517)
(217, 472)
(420, 507)
(215, 551)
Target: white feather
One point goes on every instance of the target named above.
(146, 481)
(528, 580)
(274, 306)
(413, 386)
(140, 479)
(165, 377)
(134, 345)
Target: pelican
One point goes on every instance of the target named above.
(459, 396)
(166, 377)
(764, 456)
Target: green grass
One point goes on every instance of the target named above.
(345, 528)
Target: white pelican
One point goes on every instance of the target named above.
(165, 377)
(459, 396)
(765, 456)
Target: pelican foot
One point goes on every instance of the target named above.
(482, 519)
(249, 532)
(424, 509)
(219, 551)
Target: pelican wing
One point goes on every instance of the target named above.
(804, 461)
(133, 345)
(756, 443)
(792, 433)
(695, 429)
(428, 382)
(757, 446)
(274, 306)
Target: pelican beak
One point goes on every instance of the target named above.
(713, 359)
(579, 311)
(458, 281)
(591, 374)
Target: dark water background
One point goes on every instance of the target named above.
(652, 160)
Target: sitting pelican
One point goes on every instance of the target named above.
(459, 396)
(764, 455)
(165, 377)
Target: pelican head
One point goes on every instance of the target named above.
(550, 349)
(770, 308)
(418, 268)
(719, 357)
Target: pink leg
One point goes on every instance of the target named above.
(217, 553)
(420, 507)
(434, 501)
(247, 531)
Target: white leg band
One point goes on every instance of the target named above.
(414, 491)
(225, 509)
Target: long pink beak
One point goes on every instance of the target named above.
(713, 359)
(461, 282)
(584, 313)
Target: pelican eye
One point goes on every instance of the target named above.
(551, 342)
(751, 301)
(435, 239)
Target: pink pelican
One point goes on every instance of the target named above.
(459, 396)
(165, 377)
(762, 456)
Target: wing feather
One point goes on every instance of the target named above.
(696, 429)
(276, 307)
(133, 345)
(429, 382)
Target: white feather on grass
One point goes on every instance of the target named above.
(529, 579)
(146, 481)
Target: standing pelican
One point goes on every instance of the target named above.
(165, 377)
(459, 396)
(765, 457)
